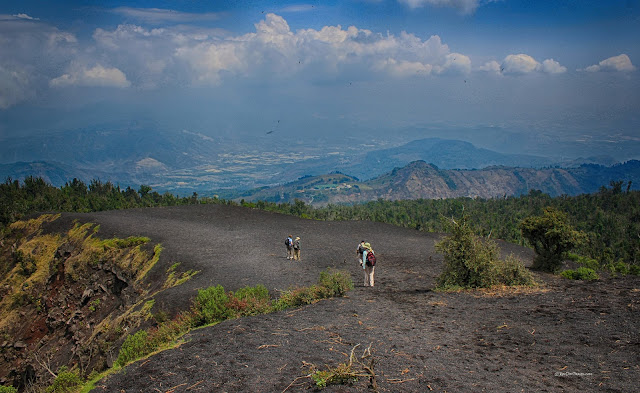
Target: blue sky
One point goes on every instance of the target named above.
(567, 68)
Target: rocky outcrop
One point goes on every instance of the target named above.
(73, 311)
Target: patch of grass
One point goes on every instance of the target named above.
(131, 241)
(172, 276)
(8, 389)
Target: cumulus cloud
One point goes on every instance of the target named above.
(455, 63)
(465, 6)
(199, 57)
(490, 66)
(621, 63)
(521, 64)
(96, 76)
(551, 66)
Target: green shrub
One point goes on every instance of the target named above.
(169, 331)
(65, 382)
(257, 292)
(634, 269)
(584, 261)
(250, 301)
(622, 268)
(297, 297)
(134, 347)
(511, 271)
(8, 389)
(211, 305)
(581, 273)
(471, 262)
(331, 283)
(337, 282)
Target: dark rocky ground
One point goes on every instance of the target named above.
(569, 336)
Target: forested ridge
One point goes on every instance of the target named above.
(610, 218)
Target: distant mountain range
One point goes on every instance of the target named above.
(422, 180)
(183, 162)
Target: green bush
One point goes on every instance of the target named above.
(581, 273)
(257, 292)
(331, 283)
(511, 271)
(134, 347)
(211, 305)
(584, 261)
(250, 301)
(337, 282)
(471, 262)
(8, 389)
(65, 382)
(297, 297)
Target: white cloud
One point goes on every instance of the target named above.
(465, 6)
(95, 76)
(519, 64)
(616, 63)
(490, 66)
(25, 16)
(522, 64)
(455, 63)
(187, 55)
(551, 66)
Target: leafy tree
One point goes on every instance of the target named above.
(552, 237)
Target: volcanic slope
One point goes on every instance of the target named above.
(562, 336)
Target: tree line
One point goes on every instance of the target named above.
(609, 218)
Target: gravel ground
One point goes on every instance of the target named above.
(565, 336)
